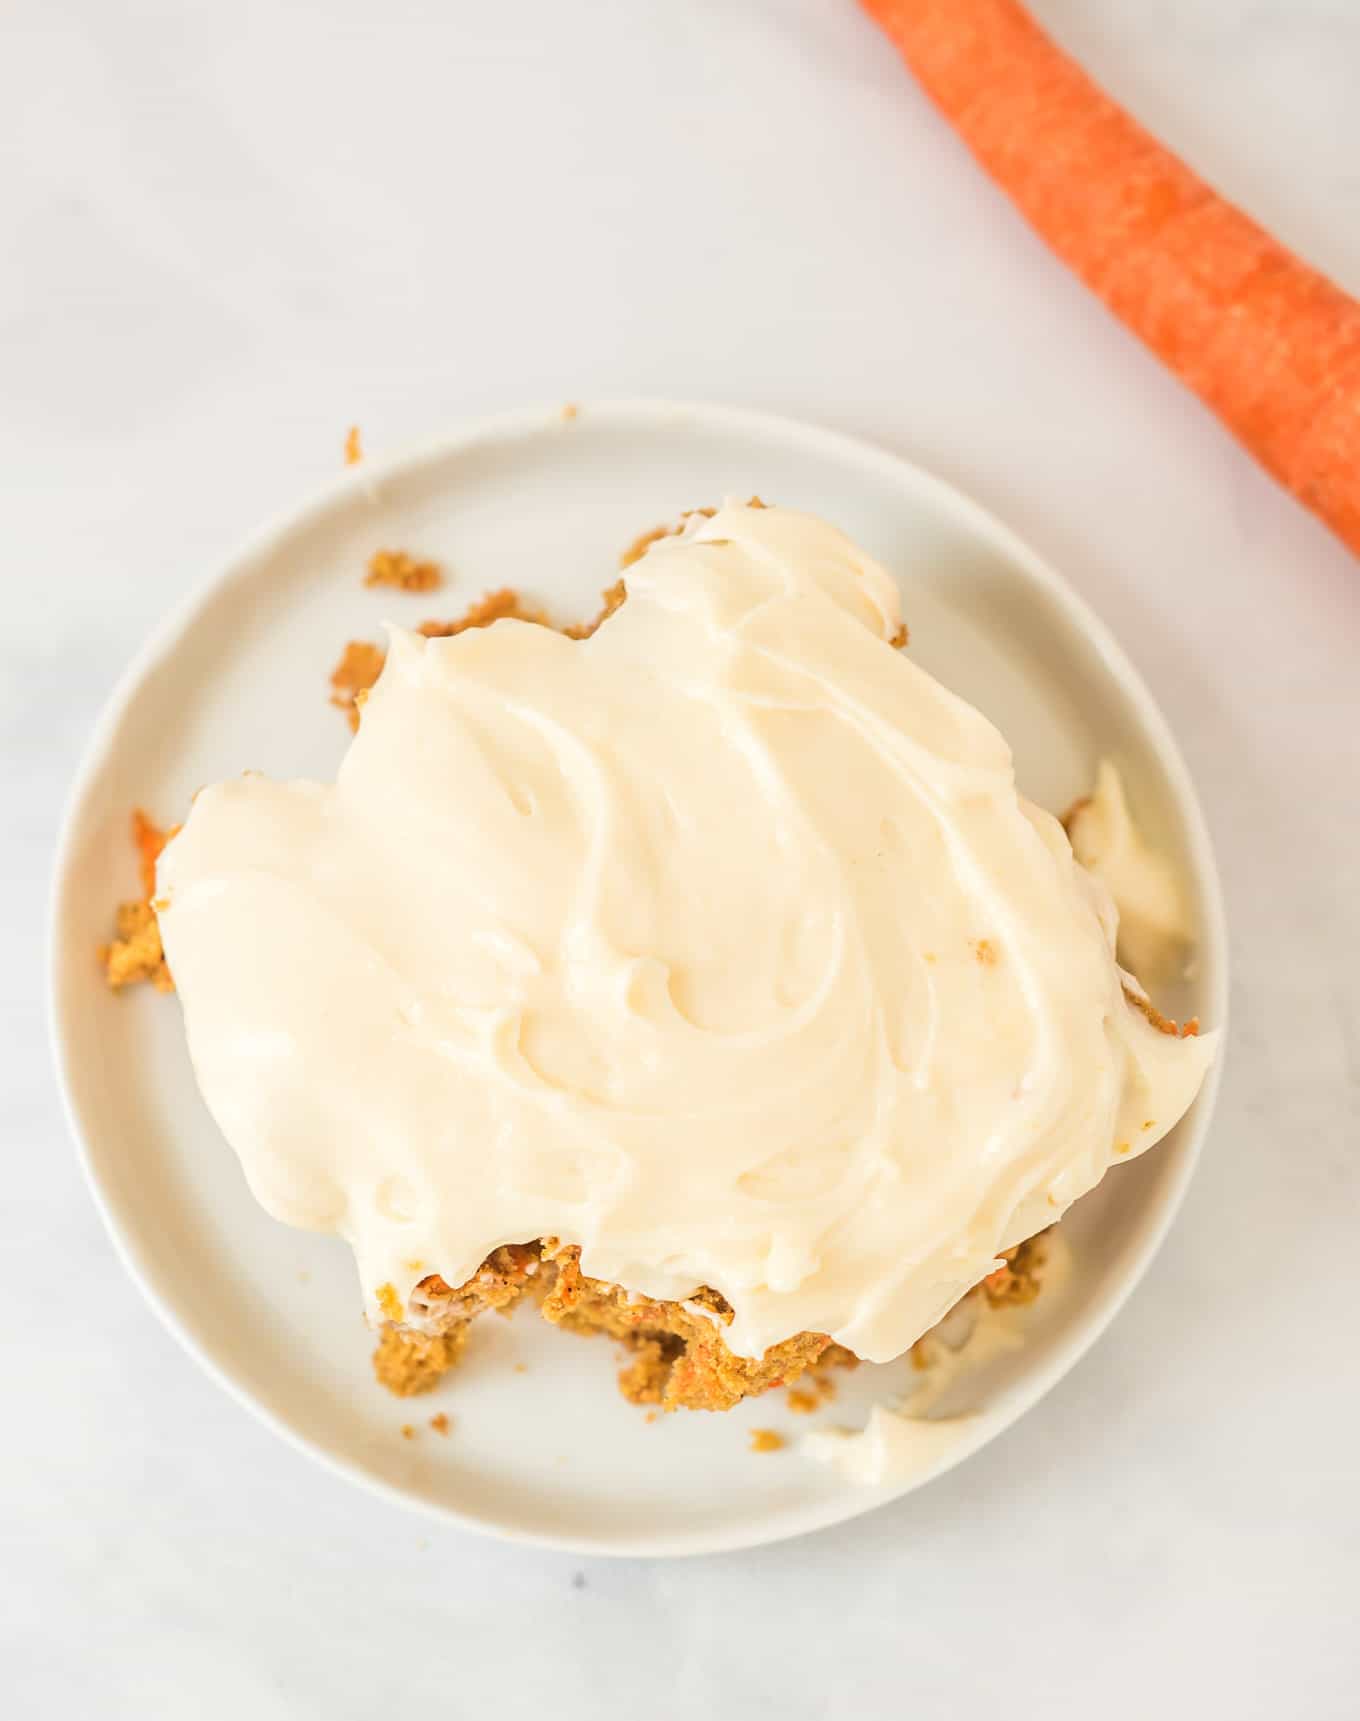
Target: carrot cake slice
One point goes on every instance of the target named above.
(704, 979)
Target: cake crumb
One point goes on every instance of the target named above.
(389, 1302)
(1017, 1281)
(135, 952)
(1163, 1024)
(407, 1431)
(570, 410)
(440, 1423)
(651, 1416)
(766, 1440)
(610, 600)
(359, 667)
(836, 1356)
(354, 451)
(402, 571)
(678, 1355)
(802, 1401)
(521, 1368)
(408, 1364)
(504, 604)
(986, 952)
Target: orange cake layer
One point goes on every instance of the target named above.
(679, 1359)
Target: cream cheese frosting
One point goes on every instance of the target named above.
(1154, 921)
(719, 943)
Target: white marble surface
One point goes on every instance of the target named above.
(233, 230)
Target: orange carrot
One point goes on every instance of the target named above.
(1266, 342)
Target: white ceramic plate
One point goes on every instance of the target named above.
(543, 1448)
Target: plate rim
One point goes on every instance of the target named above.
(1084, 1327)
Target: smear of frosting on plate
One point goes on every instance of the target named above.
(1154, 918)
(902, 1439)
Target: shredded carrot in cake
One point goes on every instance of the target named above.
(402, 571)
